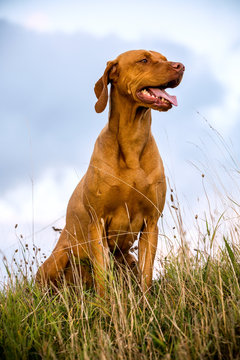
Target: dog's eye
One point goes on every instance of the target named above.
(144, 61)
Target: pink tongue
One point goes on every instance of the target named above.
(162, 93)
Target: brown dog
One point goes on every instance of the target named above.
(123, 192)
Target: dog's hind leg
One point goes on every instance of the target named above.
(79, 273)
(53, 267)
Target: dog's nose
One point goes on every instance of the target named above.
(178, 66)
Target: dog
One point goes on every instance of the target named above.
(122, 195)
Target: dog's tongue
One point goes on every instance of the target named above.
(162, 93)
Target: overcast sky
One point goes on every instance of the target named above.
(53, 52)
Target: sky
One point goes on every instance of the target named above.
(53, 52)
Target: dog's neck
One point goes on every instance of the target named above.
(131, 125)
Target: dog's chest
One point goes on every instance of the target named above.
(139, 190)
(136, 189)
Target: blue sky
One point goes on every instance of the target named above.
(53, 52)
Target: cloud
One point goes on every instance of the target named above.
(48, 196)
(42, 203)
(39, 21)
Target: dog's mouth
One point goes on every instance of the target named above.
(158, 97)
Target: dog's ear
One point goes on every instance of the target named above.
(101, 89)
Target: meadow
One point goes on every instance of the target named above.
(192, 312)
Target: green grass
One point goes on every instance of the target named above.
(193, 312)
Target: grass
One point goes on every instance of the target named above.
(193, 312)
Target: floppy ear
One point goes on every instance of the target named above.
(101, 89)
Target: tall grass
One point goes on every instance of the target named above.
(193, 312)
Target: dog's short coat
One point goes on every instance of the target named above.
(123, 191)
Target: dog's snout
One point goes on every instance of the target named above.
(178, 66)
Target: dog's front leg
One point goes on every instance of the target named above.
(99, 255)
(146, 253)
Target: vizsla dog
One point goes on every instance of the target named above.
(122, 194)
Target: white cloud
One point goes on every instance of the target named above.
(197, 25)
(39, 21)
(48, 202)
(36, 214)
(225, 116)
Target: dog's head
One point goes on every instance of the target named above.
(142, 76)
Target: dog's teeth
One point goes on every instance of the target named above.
(163, 100)
(145, 92)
